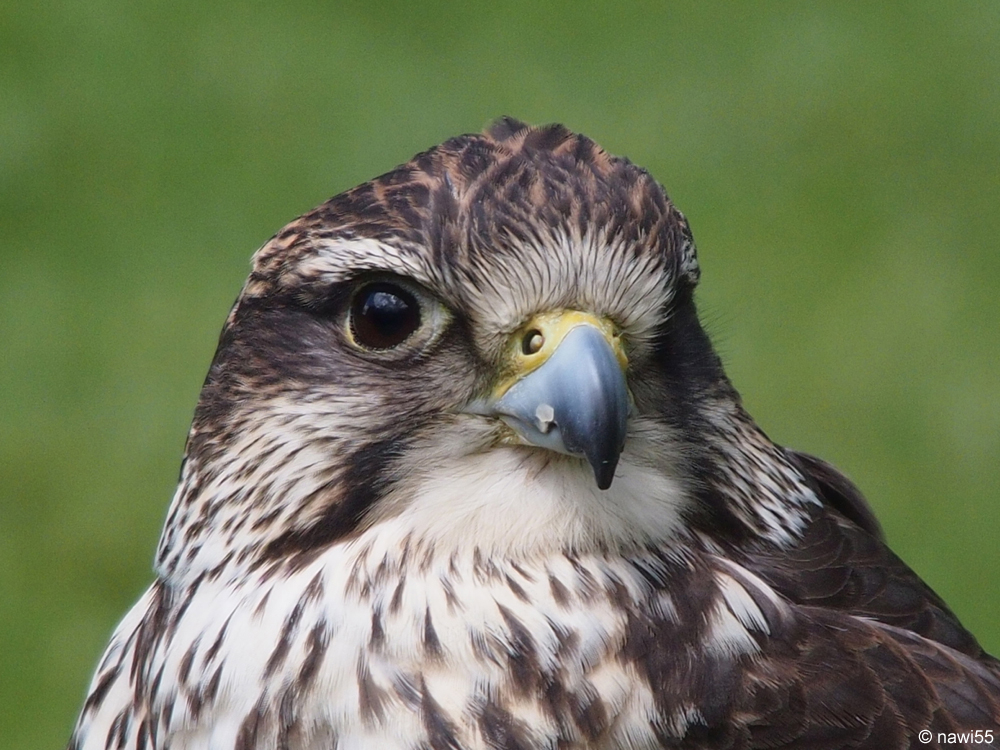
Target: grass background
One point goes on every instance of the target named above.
(839, 163)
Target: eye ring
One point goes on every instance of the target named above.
(383, 315)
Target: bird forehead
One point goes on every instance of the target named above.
(503, 222)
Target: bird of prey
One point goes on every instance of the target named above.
(467, 473)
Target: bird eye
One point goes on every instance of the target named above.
(383, 315)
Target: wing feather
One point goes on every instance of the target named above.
(841, 563)
(867, 654)
(829, 680)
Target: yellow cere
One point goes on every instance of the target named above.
(552, 327)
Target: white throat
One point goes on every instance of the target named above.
(516, 502)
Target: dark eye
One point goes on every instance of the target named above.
(383, 315)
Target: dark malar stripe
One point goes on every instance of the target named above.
(363, 483)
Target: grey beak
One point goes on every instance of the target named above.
(576, 403)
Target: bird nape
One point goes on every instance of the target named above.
(467, 473)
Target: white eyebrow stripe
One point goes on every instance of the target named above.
(338, 259)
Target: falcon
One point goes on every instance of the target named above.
(466, 473)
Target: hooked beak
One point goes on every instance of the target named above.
(567, 390)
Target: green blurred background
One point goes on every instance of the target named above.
(839, 163)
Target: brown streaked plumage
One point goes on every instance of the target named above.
(379, 541)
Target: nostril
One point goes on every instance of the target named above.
(532, 342)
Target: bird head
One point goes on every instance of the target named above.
(496, 340)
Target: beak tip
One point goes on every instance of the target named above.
(604, 473)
